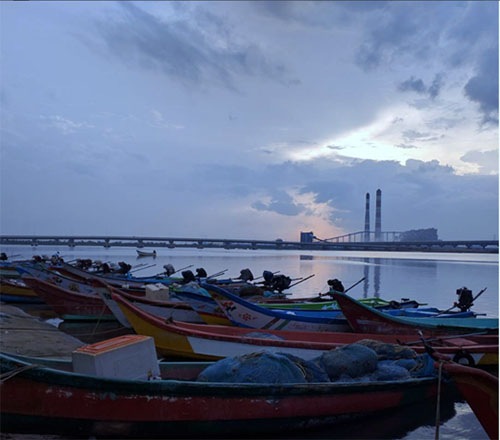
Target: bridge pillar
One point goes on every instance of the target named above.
(106, 243)
(71, 242)
(200, 245)
(171, 244)
(140, 244)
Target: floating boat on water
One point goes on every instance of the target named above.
(211, 342)
(48, 399)
(363, 319)
(246, 314)
(145, 253)
(480, 390)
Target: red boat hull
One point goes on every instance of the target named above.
(70, 304)
(480, 389)
(60, 402)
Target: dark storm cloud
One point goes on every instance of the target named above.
(415, 195)
(182, 50)
(412, 84)
(483, 87)
(328, 14)
(417, 85)
(281, 203)
(486, 160)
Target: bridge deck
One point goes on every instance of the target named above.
(471, 246)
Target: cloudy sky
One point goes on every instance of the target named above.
(248, 120)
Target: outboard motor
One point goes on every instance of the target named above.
(188, 276)
(201, 273)
(268, 277)
(124, 267)
(336, 285)
(465, 299)
(281, 282)
(3, 256)
(105, 268)
(246, 275)
(169, 269)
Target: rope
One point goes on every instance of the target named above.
(99, 319)
(438, 415)
(10, 374)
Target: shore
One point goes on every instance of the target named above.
(24, 334)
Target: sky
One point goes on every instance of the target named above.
(248, 119)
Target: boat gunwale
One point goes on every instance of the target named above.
(178, 388)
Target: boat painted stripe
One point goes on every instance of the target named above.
(271, 323)
(283, 324)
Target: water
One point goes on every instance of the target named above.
(430, 278)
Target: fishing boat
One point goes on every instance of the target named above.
(480, 390)
(212, 342)
(69, 304)
(13, 290)
(145, 253)
(166, 310)
(246, 314)
(363, 319)
(73, 305)
(47, 399)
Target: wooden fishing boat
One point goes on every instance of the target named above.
(166, 310)
(145, 253)
(211, 342)
(69, 304)
(363, 319)
(246, 314)
(480, 390)
(40, 399)
(16, 291)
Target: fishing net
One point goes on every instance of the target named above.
(261, 367)
(386, 350)
(353, 360)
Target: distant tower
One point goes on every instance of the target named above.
(378, 216)
(367, 218)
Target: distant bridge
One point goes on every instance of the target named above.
(470, 246)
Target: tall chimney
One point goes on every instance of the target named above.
(378, 216)
(367, 218)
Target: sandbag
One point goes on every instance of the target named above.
(353, 360)
(261, 367)
(386, 350)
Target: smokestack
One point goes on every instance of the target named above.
(367, 218)
(378, 216)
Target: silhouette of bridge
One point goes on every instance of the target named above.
(344, 243)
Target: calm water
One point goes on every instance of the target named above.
(430, 278)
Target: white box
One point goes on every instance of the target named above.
(125, 357)
(157, 292)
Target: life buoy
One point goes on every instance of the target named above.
(463, 358)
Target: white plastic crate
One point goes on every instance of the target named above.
(125, 357)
